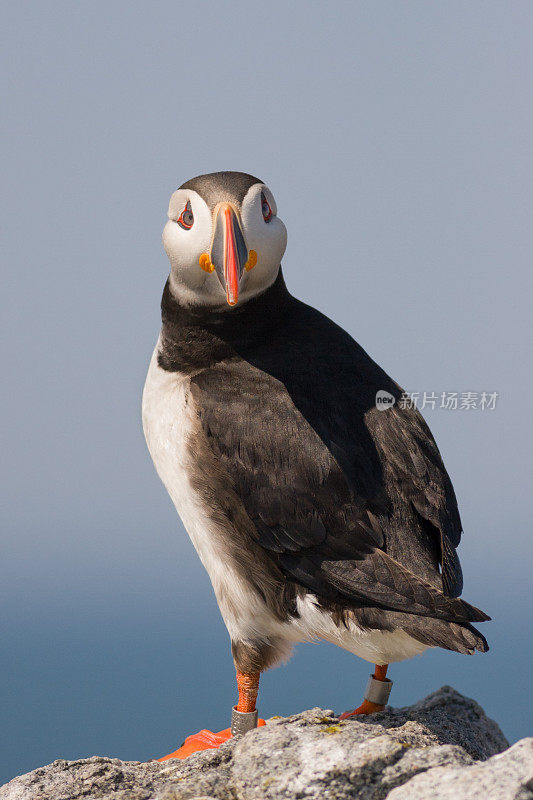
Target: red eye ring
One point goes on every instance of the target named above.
(265, 208)
(186, 218)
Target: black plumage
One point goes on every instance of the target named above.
(347, 502)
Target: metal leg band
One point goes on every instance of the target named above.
(242, 721)
(378, 691)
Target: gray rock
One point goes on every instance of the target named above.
(508, 776)
(440, 742)
(315, 755)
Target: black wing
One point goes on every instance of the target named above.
(334, 487)
(417, 479)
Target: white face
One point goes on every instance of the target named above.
(224, 256)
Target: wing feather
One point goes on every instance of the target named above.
(321, 481)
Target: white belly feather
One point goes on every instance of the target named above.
(169, 418)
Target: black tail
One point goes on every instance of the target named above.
(459, 636)
(463, 638)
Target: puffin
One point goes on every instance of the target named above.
(318, 512)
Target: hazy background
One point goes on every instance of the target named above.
(396, 137)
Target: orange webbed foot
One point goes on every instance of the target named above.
(366, 707)
(203, 740)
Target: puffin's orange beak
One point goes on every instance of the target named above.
(232, 273)
(229, 253)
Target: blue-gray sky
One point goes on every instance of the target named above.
(396, 137)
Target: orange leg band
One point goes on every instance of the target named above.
(248, 686)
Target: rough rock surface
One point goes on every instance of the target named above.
(444, 746)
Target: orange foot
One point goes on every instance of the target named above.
(366, 707)
(203, 740)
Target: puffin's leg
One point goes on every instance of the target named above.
(243, 719)
(244, 714)
(376, 695)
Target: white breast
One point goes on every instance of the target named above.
(167, 422)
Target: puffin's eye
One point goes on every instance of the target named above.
(265, 208)
(186, 218)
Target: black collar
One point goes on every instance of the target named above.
(196, 336)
